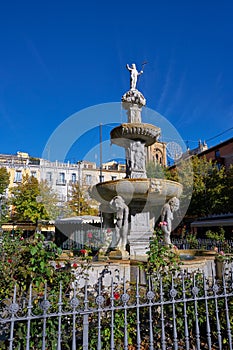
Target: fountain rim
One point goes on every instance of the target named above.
(150, 191)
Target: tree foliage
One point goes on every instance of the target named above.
(154, 170)
(209, 186)
(78, 203)
(209, 190)
(229, 188)
(32, 201)
(4, 179)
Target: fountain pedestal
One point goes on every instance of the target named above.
(139, 232)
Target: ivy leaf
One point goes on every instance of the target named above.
(33, 250)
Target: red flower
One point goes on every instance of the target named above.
(89, 234)
(58, 266)
(75, 265)
(9, 261)
(21, 238)
(83, 251)
(109, 230)
(116, 295)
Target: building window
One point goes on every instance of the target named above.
(49, 176)
(18, 176)
(61, 179)
(217, 154)
(88, 179)
(73, 178)
(114, 178)
(33, 174)
(122, 167)
(101, 178)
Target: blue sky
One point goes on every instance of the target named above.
(60, 57)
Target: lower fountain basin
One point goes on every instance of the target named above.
(153, 191)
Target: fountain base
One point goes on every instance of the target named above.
(118, 254)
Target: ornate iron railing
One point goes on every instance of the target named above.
(80, 239)
(168, 312)
(203, 243)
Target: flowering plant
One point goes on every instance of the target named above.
(89, 235)
(28, 261)
(221, 255)
(163, 223)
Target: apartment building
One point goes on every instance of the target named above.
(221, 153)
(60, 176)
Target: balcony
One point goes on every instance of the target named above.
(61, 182)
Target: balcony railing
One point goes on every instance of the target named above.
(61, 182)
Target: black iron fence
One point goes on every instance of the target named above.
(94, 238)
(202, 243)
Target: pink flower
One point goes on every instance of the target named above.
(175, 247)
(109, 230)
(221, 253)
(89, 234)
(163, 223)
(21, 238)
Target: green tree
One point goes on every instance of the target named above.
(4, 179)
(51, 202)
(4, 183)
(32, 201)
(154, 170)
(78, 203)
(229, 189)
(205, 184)
(208, 196)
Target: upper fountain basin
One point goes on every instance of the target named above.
(147, 133)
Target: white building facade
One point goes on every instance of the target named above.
(58, 175)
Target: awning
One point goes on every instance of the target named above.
(210, 223)
(85, 219)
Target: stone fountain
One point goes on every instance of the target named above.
(129, 206)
